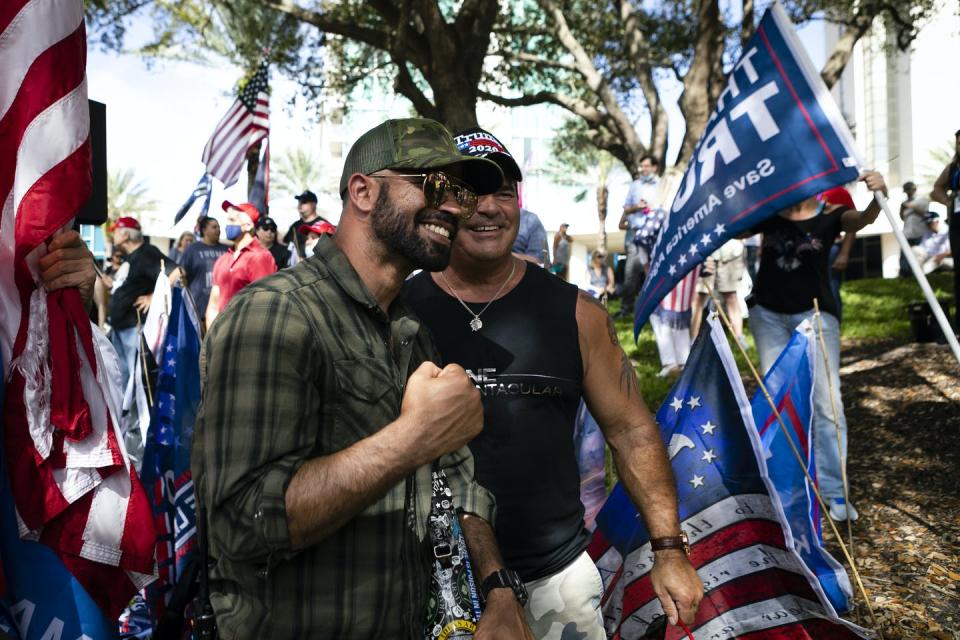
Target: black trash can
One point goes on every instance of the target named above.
(923, 324)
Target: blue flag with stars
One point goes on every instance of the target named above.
(166, 458)
(775, 138)
(202, 190)
(790, 384)
(755, 583)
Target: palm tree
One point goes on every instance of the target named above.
(127, 196)
(295, 170)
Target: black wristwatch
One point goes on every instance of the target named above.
(501, 579)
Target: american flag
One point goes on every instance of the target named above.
(246, 123)
(72, 484)
(756, 584)
(674, 309)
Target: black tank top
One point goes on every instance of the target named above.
(526, 362)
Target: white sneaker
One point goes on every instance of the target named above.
(670, 370)
(841, 511)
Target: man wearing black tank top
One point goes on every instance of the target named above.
(535, 346)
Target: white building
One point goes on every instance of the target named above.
(901, 106)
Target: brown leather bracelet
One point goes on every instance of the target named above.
(671, 542)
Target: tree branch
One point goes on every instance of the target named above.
(618, 119)
(699, 88)
(640, 52)
(747, 27)
(837, 61)
(581, 108)
(373, 37)
(405, 86)
(537, 60)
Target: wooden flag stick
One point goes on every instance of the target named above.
(803, 465)
(836, 425)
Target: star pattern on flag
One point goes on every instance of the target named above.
(717, 230)
(682, 260)
(689, 409)
(705, 240)
(673, 269)
(693, 249)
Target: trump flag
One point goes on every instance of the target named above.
(790, 384)
(756, 584)
(775, 139)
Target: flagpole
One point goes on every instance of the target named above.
(803, 464)
(836, 424)
(920, 277)
(143, 361)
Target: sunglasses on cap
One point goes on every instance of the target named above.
(437, 185)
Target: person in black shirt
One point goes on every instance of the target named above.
(795, 270)
(267, 235)
(197, 262)
(535, 346)
(307, 207)
(133, 286)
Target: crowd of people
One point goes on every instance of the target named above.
(431, 331)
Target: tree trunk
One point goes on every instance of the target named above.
(602, 196)
(253, 163)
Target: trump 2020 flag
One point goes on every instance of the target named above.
(756, 584)
(166, 458)
(775, 139)
(790, 384)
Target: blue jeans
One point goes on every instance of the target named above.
(125, 342)
(772, 331)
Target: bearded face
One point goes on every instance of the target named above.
(424, 239)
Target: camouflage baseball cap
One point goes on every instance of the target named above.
(417, 143)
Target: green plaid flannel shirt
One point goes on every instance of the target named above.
(304, 363)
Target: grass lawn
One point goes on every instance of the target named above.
(873, 310)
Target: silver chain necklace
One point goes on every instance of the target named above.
(476, 323)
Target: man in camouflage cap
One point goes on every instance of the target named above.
(315, 468)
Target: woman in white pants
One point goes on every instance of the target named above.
(671, 326)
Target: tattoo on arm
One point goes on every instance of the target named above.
(628, 377)
(611, 329)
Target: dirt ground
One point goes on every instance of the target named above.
(903, 409)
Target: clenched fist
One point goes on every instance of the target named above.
(441, 410)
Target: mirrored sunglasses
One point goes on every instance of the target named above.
(437, 185)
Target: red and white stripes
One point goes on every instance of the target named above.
(246, 123)
(72, 484)
(681, 296)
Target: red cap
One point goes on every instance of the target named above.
(246, 207)
(318, 228)
(840, 196)
(125, 222)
